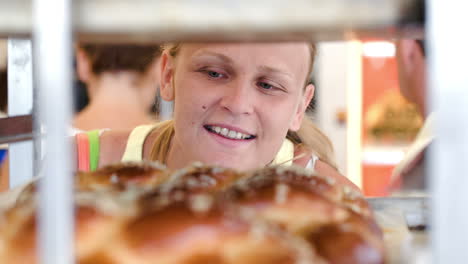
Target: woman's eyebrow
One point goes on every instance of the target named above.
(222, 57)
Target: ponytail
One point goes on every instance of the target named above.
(161, 144)
(312, 139)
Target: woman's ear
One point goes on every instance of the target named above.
(167, 75)
(301, 109)
(83, 65)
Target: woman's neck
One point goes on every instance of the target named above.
(175, 158)
(115, 86)
(114, 103)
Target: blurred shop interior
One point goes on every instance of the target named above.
(358, 104)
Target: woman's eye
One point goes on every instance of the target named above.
(214, 74)
(265, 86)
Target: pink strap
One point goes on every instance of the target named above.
(82, 145)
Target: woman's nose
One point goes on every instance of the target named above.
(238, 98)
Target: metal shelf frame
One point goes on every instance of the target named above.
(20, 91)
(170, 20)
(51, 23)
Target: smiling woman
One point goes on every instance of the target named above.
(245, 90)
(236, 105)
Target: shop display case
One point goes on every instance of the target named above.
(52, 24)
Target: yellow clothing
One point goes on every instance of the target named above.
(136, 140)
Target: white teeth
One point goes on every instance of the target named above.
(232, 134)
(229, 133)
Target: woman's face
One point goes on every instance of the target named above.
(234, 103)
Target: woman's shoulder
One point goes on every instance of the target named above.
(326, 170)
(112, 146)
(304, 158)
(117, 144)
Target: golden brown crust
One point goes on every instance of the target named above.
(190, 181)
(322, 168)
(324, 212)
(199, 178)
(27, 193)
(139, 213)
(121, 176)
(19, 230)
(355, 240)
(179, 232)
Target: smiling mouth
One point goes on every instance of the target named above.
(227, 133)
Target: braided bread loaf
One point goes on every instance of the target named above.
(336, 221)
(145, 214)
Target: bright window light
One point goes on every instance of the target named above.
(378, 49)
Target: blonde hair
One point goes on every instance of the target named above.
(308, 136)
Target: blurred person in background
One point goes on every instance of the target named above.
(409, 174)
(121, 82)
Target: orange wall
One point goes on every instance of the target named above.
(379, 75)
(376, 179)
